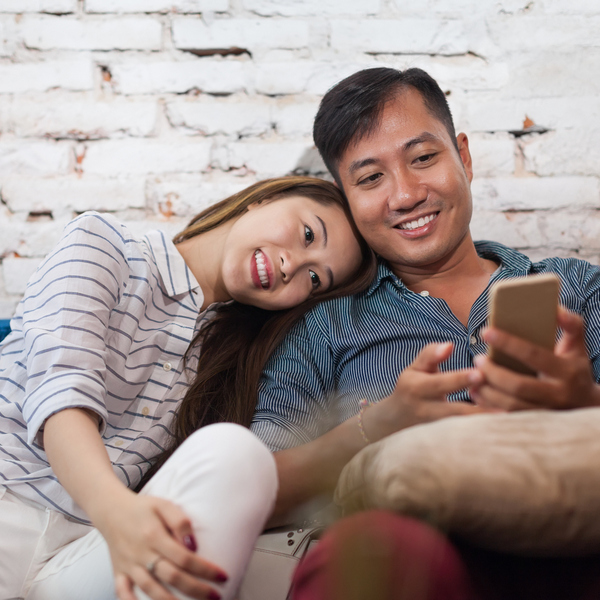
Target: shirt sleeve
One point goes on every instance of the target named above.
(296, 389)
(591, 316)
(65, 319)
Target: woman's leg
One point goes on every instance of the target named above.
(378, 555)
(223, 477)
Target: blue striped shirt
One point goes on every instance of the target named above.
(103, 325)
(355, 347)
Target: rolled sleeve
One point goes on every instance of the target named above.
(66, 312)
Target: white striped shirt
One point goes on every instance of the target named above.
(104, 324)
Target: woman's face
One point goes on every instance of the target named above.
(281, 252)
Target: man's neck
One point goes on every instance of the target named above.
(459, 279)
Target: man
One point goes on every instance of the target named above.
(388, 139)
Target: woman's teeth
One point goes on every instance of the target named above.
(418, 222)
(261, 268)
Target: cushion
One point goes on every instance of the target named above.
(525, 482)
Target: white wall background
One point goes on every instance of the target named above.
(153, 109)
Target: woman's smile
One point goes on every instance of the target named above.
(261, 270)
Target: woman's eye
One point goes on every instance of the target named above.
(315, 280)
(309, 236)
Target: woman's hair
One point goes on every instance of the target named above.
(237, 342)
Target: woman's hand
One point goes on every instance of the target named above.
(144, 531)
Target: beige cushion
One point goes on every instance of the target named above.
(526, 483)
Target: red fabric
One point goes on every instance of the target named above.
(379, 555)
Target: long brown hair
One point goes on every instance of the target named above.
(237, 342)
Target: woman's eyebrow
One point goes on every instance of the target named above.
(324, 231)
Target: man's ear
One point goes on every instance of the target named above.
(462, 141)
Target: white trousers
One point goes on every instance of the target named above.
(222, 476)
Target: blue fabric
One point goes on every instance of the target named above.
(4, 328)
(356, 347)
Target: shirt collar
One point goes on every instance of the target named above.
(513, 261)
(175, 275)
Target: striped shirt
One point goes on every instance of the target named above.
(103, 325)
(355, 347)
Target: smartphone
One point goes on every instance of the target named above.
(526, 307)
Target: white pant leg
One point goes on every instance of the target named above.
(225, 480)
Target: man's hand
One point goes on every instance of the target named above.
(564, 378)
(421, 393)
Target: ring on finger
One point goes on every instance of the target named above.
(151, 565)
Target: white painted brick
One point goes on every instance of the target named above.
(554, 73)
(84, 118)
(535, 193)
(35, 158)
(42, 76)
(213, 76)
(492, 156)
(280, 78)
(149, 6)
(565, 152)
(443, 8)
(50, 6)
(236, 115)
(573, 7)
(118, 33)
(9, 39)
(410, 36)
(251, 34)
(528, 32)
(269, 159)
(63, 195)
(494, 112)
(134, 156)
(17, 272)
(187, 195)
(312, 8)
(293, 117)
(8, 308)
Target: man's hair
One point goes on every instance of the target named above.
(352, 109)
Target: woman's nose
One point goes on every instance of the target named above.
(289, 265)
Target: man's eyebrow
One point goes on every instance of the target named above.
(420, 139)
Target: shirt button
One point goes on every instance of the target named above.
(145, 411)
(119, 443)
(167, 366)
(473, 340)
(424, 293)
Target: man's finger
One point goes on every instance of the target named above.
(492, 398)
(530, 389)
(573, 339)
(431, 357)
(541, 360)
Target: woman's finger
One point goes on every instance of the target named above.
(168, 573)
(150, 585)
(178, 522)
(124, 587)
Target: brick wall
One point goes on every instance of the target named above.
(153, 109)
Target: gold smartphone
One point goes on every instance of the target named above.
(526, 307)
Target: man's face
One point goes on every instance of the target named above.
(408, 187)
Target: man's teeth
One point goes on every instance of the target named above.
(262, 270)
(418, 222)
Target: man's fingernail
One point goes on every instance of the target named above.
(478, 361)
(221, 577)
(474, 377)
(189, 542)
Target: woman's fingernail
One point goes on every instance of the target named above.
(189, 542)
(221, 577)
(212, 595)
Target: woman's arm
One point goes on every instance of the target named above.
(137, 528)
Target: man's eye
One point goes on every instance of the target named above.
(309, 236)
(425, 158)
(370, 179)
(315, 280)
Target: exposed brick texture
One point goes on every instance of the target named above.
(155, 109)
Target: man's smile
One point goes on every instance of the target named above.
(418, 222)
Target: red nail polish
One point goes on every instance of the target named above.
(189, 542)
(212, 595)
(221, 577)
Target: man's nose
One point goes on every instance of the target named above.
(408, 191)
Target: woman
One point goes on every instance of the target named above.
(94, 372)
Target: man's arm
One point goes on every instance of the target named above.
(420, 396)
